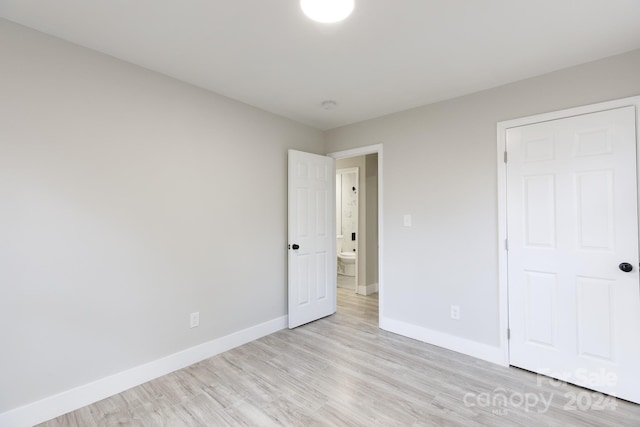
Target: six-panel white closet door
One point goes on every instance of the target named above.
(572, 224)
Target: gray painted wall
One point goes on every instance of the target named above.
(371, 163)
(440, 166)
(127, 201)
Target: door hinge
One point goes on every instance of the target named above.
(506, 244)
(508, 333)
(505, 157)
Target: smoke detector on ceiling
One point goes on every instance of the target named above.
(329, 105)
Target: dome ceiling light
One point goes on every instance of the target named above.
(327, 11)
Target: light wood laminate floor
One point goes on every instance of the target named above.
(344, 371)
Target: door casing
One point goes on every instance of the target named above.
(362, 151)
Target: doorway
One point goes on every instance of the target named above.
(348, 210)
(367, 238)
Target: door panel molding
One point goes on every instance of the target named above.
(311, 234)
(535, 151)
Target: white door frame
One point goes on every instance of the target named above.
(362, 151)
(502, 195)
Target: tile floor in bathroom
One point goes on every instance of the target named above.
(348, 282)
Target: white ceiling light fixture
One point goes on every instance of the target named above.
(327, 11)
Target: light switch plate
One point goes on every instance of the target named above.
(407, 220)
(194, 319)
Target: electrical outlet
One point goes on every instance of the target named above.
(455, 312)
(195, 319)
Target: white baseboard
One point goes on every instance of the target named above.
(369, 289)
(70, 400)
(450, 342)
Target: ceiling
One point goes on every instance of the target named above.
(388, 56)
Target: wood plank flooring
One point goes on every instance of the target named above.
(344, 371)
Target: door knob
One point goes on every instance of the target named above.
(626, 267)
(297, 246)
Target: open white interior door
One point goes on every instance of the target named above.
(312, 232)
